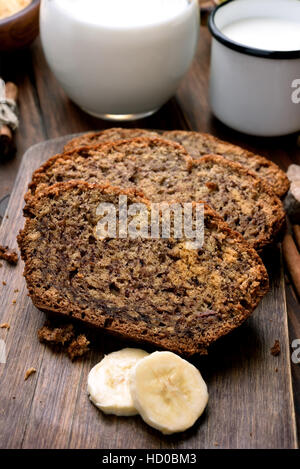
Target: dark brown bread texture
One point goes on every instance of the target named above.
(197, 145)
(163, 170)
(155, 291)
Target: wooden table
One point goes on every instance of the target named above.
(46, 113)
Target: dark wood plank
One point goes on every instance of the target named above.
(251, 404)
(22, 350)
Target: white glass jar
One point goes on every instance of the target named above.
(119, 59)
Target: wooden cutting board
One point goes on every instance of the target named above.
(251, 399)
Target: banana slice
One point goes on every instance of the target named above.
(108, 382)
(168, 392)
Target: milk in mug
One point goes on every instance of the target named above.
(267, 33)
(119, 59)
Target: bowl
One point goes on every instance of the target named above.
(19, 30)
(254, 88)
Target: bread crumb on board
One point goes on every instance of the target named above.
(56, 335)
(4, 283)
(64, 335)
(275, 350)
(5, 325)
(78, 347)
(8, 255)
(29, 372)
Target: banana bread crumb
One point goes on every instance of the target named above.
(275, 350)
(5, 325)
(78, 347)
(29, 372)
(8, 255)
(64, 335)
(56, 335)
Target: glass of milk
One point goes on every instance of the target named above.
(255, 66)
(119, 59)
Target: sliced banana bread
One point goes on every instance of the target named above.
(163, 170)
(150, 290)
(197, 144)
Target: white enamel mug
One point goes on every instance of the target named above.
(252, 90)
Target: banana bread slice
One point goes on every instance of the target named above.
(197, 145)
(156, 291)
(163, 170)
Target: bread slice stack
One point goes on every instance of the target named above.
(152, 290)
(197, 145)
(164, 171)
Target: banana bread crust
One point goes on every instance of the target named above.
(106, 136)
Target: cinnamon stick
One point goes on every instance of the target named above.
(296, 230)
(292, 259)
(6, 134)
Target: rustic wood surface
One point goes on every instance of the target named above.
(251, 401)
